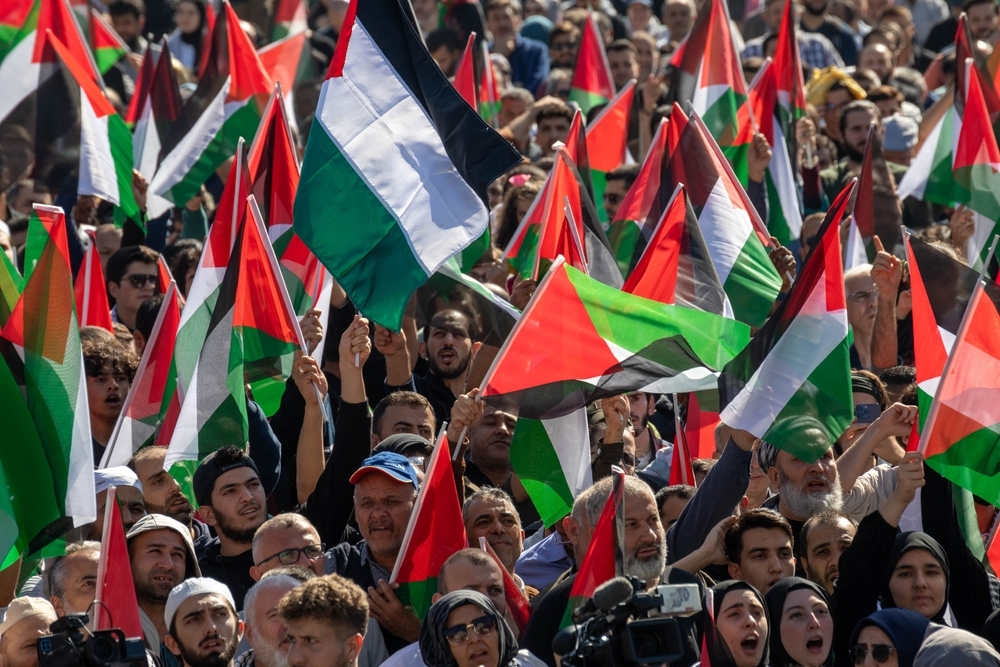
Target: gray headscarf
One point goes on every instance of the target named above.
(956, 648)
(435, 649)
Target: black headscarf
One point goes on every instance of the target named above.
(718, 650)
(991, 630)
(775, 599)
(435, 649)
(908, 542)
(905, 628)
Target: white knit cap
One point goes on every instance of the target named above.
(191, 587)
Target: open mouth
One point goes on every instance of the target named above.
(749, 645)
(446, 356)
(815, 645)
(251, 510)
(478, 655)
(113, 400)
(817, 486)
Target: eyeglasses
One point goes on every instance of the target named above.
(459, 634)
(880, 653)
(140, 280)
(291, 556)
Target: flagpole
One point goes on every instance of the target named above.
(568, 210)
(962, 330)
(678, 435)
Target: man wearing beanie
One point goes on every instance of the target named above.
(203, 627)
(228, 489)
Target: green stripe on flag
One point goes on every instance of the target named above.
(267, 362)
(417, 595)
(536, 463)
(120, 139)
(524, 261)
(752, 285)
(973, 462)
(382, 259)
(625, 237)
(586, 100)
(600, 182)
(777, 225)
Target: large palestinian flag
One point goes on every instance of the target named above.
(397, 164)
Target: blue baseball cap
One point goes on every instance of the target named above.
(394, 465)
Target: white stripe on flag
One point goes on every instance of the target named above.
(915, 179)
(80, 495)
(726, 229)
(97, 166)
(20, 76)
(390, 141)
(784, 182)
(854, 253)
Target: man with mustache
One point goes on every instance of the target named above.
(229, 492)
(490, 513)
(824, 538)
(204, 626)
(161, 556)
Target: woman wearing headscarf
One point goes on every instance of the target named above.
(186, 41)
(955, 648)
(888, 638)
(739, 635)
(801, 624)
(464, 629)
(908, 570)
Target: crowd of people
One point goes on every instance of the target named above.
(285, 554)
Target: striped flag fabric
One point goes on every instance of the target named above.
(48, 360)
(149, 396)
(552, 463)
(393, 145)
(289, 62)
(88, 120)
(91, 293)
(465, 73)
(735, 234)
(676, 266)
(436, 530)
(489, 91)
(163, 275)
(11, 284)
(700, 421)
(795, 376)
(592, 83)
(580, 340)
(517, 603)
(681, 469)
(107, 47)
(289, 19)
(233, 88)
(115, 603)
(607, 139)
(13, 16)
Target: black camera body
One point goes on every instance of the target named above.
(641, 630)
(68, 647)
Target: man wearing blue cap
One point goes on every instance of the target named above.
(385, 489)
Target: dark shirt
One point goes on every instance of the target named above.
(525, 509)
(233, 571)
(841, 36)
(432, 388)
(265, 450)
(202, 538)
(529, 63)
(942, 35)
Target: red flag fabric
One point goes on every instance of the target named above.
(115, 603)
(163, 272)
(517, 603)
(993, 548)
(592, 82)
(92, 307)
(465, 75)
(681, 470)
(699, 429)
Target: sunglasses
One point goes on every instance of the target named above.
(459, 634)
(291, 556)
(880, 653)
(140, 280)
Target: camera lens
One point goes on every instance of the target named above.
(647, 645)
(104, 648)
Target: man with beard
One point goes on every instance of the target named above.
(161, 556)
(647, 440)
(855, 120)
(645, 557)
(228, 489)
(490, 513)
(162, 494)
(759, 548)
(326, 619)
(448, 348)
(128, 496)
(264, 629)
(824, 537)
(488, 460)
(817, 18)
(204, 626)
(73, 579)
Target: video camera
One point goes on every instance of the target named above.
(68, 647)
(624, 626)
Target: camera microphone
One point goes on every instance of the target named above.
(612, 593)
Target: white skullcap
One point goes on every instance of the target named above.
(105, 478)
(191, 587)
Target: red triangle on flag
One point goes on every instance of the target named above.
(91, 292)
(465, 74)
(116, 605)
(655, 276)
(517, 603)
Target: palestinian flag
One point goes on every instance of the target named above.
(88, 120)
(395, 147)
(592, 83)
(29, 63)
(48, 363)
(607, 136)
(784, 221)
(107, 46)
(549, 458)
(735, 235)
(115, 602)
(227, 105)
(517, 603)
(143, 82)
(708, 71)
(289, 62)
(164, 277)
(795, 376)
(642, 207)
(289, 18)
(993, 548)
(91, 293)
(436, 530)
(489, 92)
(155, 380)
(8, 518)
(937, 312)
(963, 51)
(787, 64)
(604, 555)
(580, 340)
(13, 15)
(465, 73)
(875, 210)
(676, 267)
(976, 165)
(959, 437)
(11, 284)
(700, 420)
(681, 470)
